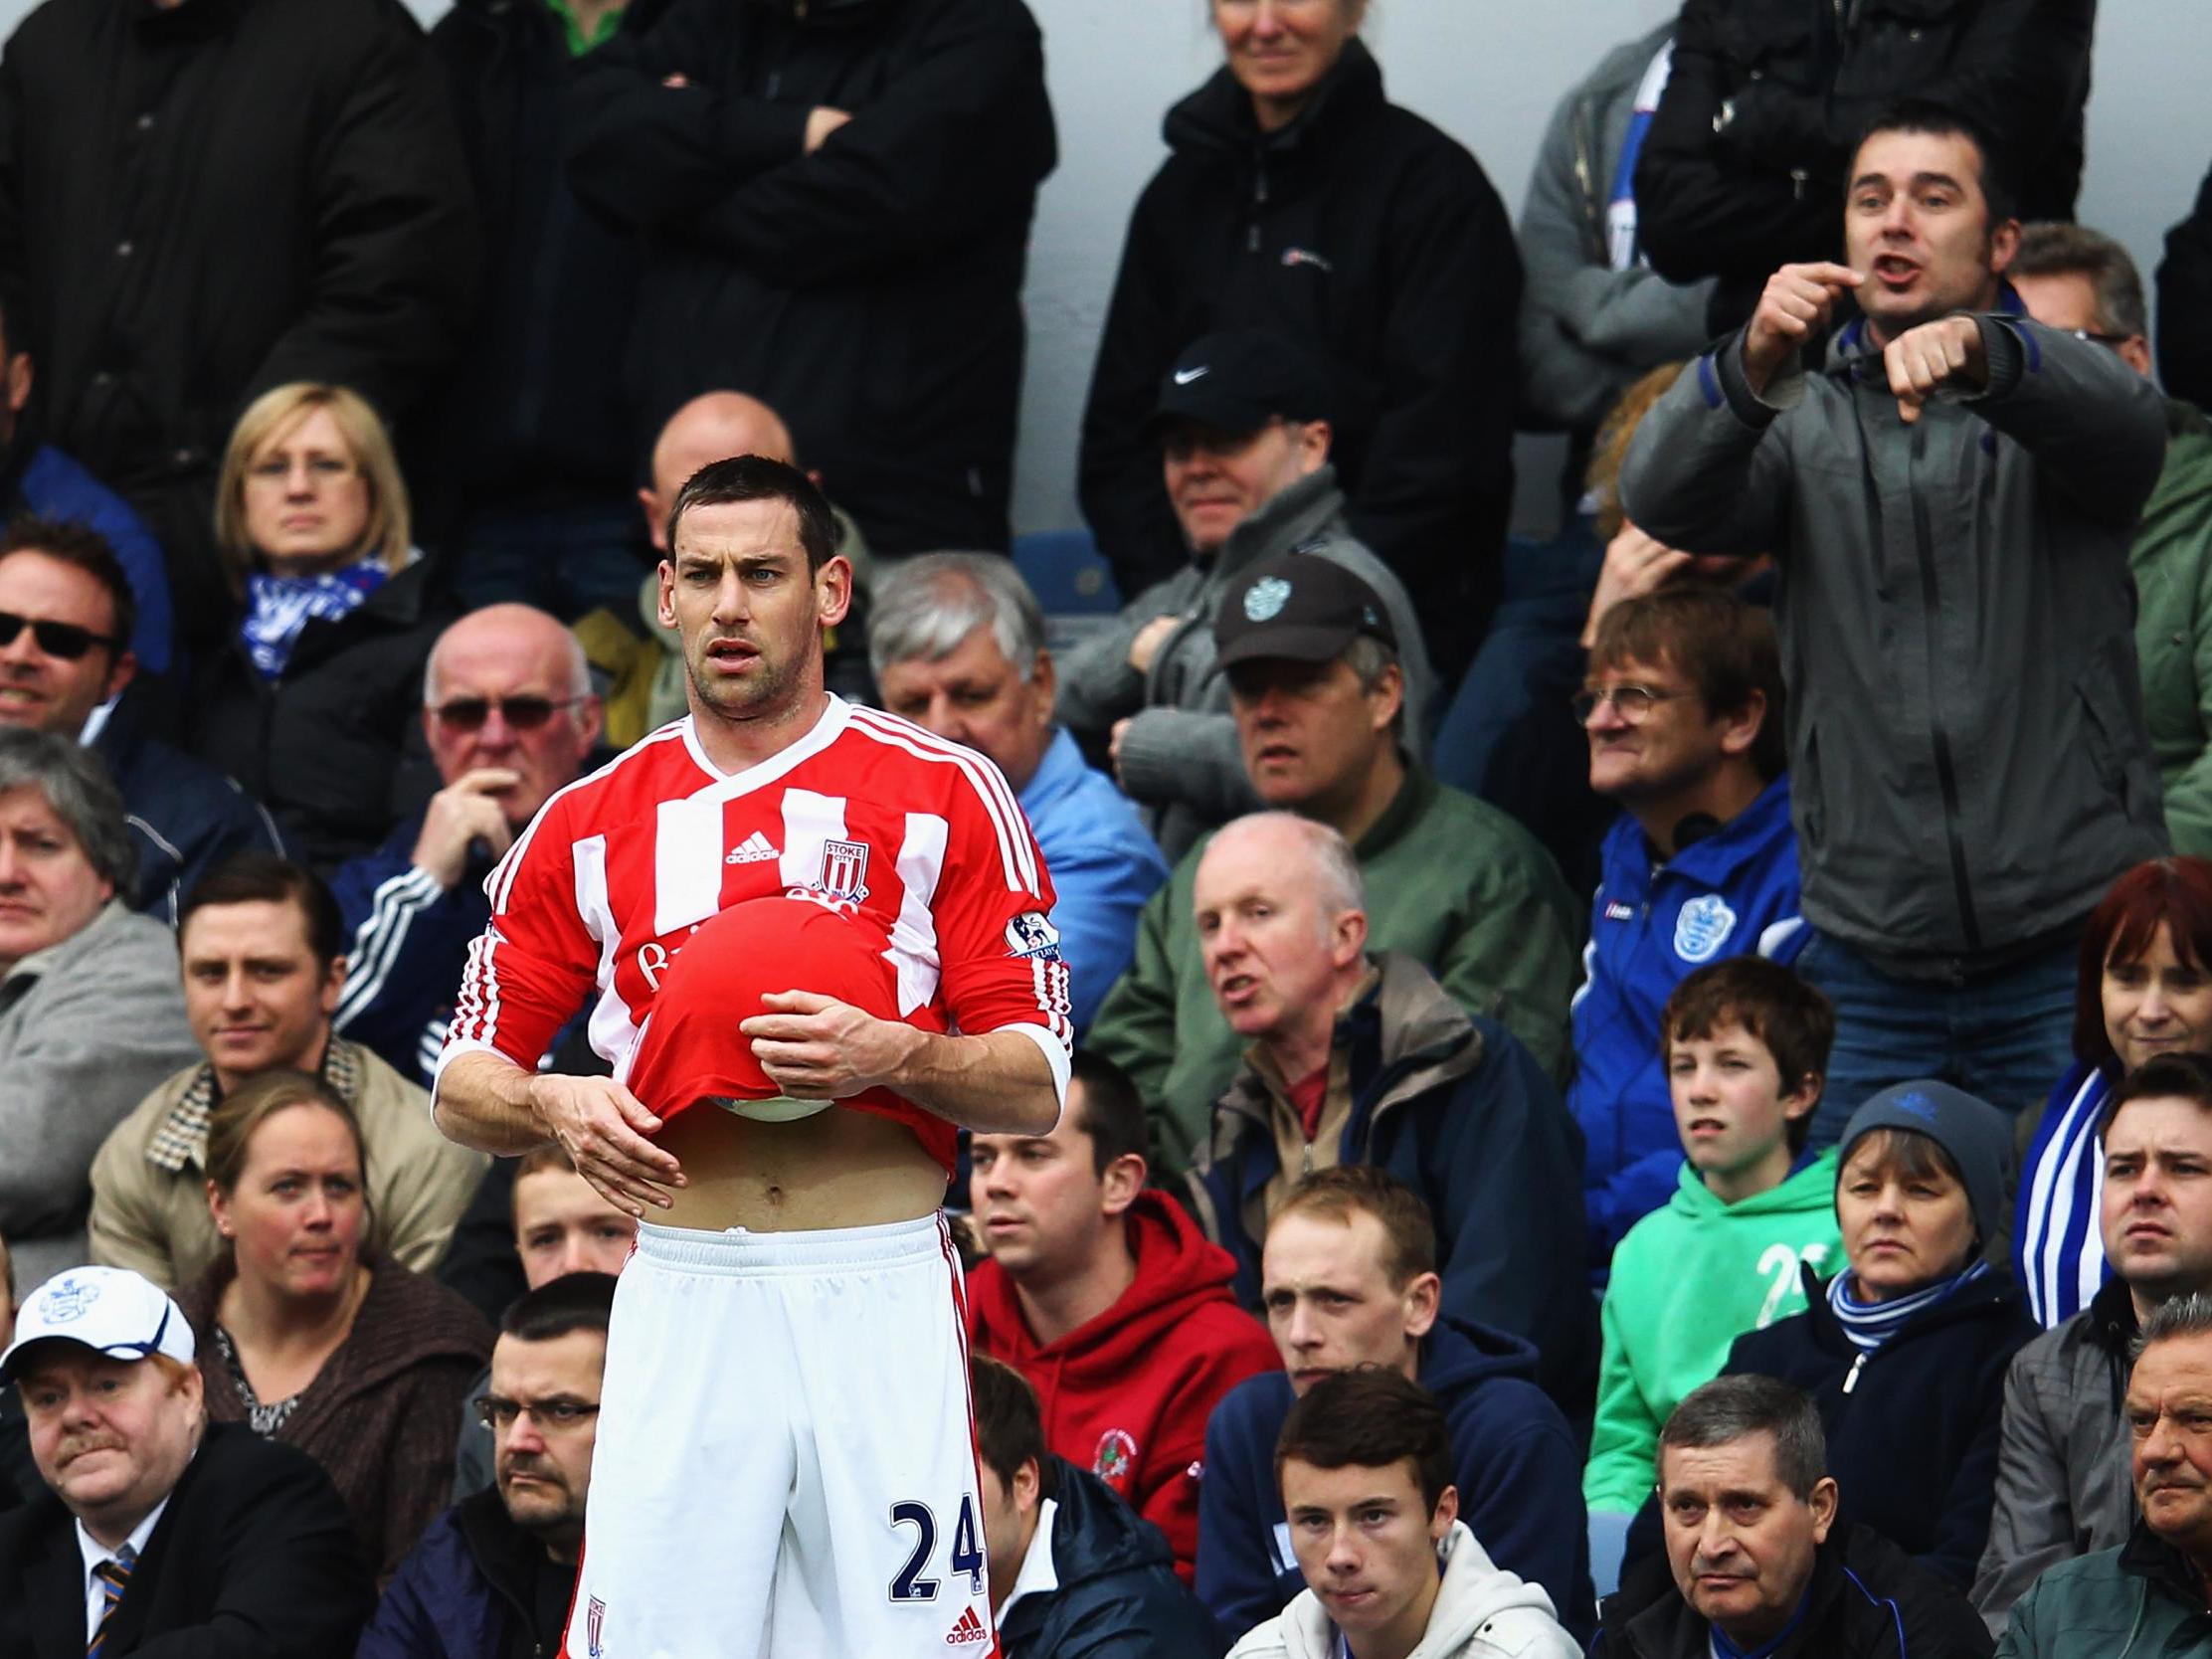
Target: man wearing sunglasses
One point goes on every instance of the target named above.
(508, 709)
(492, 1575)
(68, 611)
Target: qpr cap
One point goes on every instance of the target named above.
(1298, 606)
(1238, 380)
(110, 1310)
(693, 1050)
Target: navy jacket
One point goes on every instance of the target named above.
(407, 940)
(1912, 1431)
(1117, 1595)
(1516, 1463)
(1651, 927)
(1459, 1109)
(184, 818)
(470, 1589)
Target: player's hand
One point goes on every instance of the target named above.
(822, 120)
(464, 811)
(1945, 352)
(1635, 565)
(1797, 302)
(1144, 650)
(603, 1127)
(814, 1047)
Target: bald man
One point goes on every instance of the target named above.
(508, 709)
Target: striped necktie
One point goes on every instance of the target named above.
(114, 1575)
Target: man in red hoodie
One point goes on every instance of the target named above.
(1109, 1300)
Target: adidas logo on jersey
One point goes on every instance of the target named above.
(754, 850)
(968, 1630)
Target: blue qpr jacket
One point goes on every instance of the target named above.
(1651, 927)
(1515, 1461)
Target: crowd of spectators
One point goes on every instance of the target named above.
(1645, 1095)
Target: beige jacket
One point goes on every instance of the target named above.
(149, 1182)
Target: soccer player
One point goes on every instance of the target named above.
(786, 1364)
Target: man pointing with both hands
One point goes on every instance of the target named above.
(1949, 490)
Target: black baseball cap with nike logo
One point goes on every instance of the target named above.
(1238, 380)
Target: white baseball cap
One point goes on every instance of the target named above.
(110, 1310)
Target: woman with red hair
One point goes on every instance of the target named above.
(2145, 989)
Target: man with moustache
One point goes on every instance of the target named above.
(491, 1578)
(1949, 490)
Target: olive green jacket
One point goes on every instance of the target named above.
(2172, 561)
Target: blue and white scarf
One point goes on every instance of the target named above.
(279, 607)
(2058, 1249)
(1622, 246)
(1871, 1324)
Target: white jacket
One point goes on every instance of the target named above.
(1482, 1612)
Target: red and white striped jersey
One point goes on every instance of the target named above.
(867, 811)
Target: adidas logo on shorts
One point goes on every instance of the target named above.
(968, 1630)
(755, 851)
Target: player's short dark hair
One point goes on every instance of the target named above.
(2000, 188)
(720, 484)
(79, 546)
(1112, 1112)
(1009, 1427)
(572, 1302)
(1368, 1418)
(1344, 1191)
(1731, 1408)
(1793, 1020)
(264, 878)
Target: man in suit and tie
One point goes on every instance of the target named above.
(156, 1532)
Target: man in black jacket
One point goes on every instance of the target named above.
(1767, 99)
(1075, 1574)
(1755, 1562)
(203, 199)
(158, 1533)
(836, 198)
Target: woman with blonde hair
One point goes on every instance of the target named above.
(308, 1332)
(310, 703)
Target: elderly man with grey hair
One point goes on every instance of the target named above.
(957, 645)
(509, 713)
(91, 1013)
(1361, 1057)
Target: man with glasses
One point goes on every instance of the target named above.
(492, 1576)
(1683, 706)
(154, 1531)
(67, 611)
(2081, 280)
(1243, 429)
(508, 709)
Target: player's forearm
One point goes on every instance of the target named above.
(999, 1083)
(483, 1101)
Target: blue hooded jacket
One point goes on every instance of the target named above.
(1516, 1463)
(1651, 927)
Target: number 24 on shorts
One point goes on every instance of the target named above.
(967, 1557)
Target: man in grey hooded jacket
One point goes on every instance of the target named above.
(1951, 492)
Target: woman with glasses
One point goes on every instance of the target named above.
(1299, 200)
(308, 1332)
(312, 700)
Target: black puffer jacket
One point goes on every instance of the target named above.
(1799, 80)
(1117, 1595)
(334, 745)
(207, 200)
(1365, 231)
(534, 413)
(871, 292)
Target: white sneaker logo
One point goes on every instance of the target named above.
(1183, 377)
(755, 851)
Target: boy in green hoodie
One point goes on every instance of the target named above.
(1745, 1044)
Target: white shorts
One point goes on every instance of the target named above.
(786, 1463)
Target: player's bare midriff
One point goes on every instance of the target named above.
(837, 1169)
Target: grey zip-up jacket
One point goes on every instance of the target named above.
(1968, 765)
(1181, 760)
(2065, 1486)
(1588, 330)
